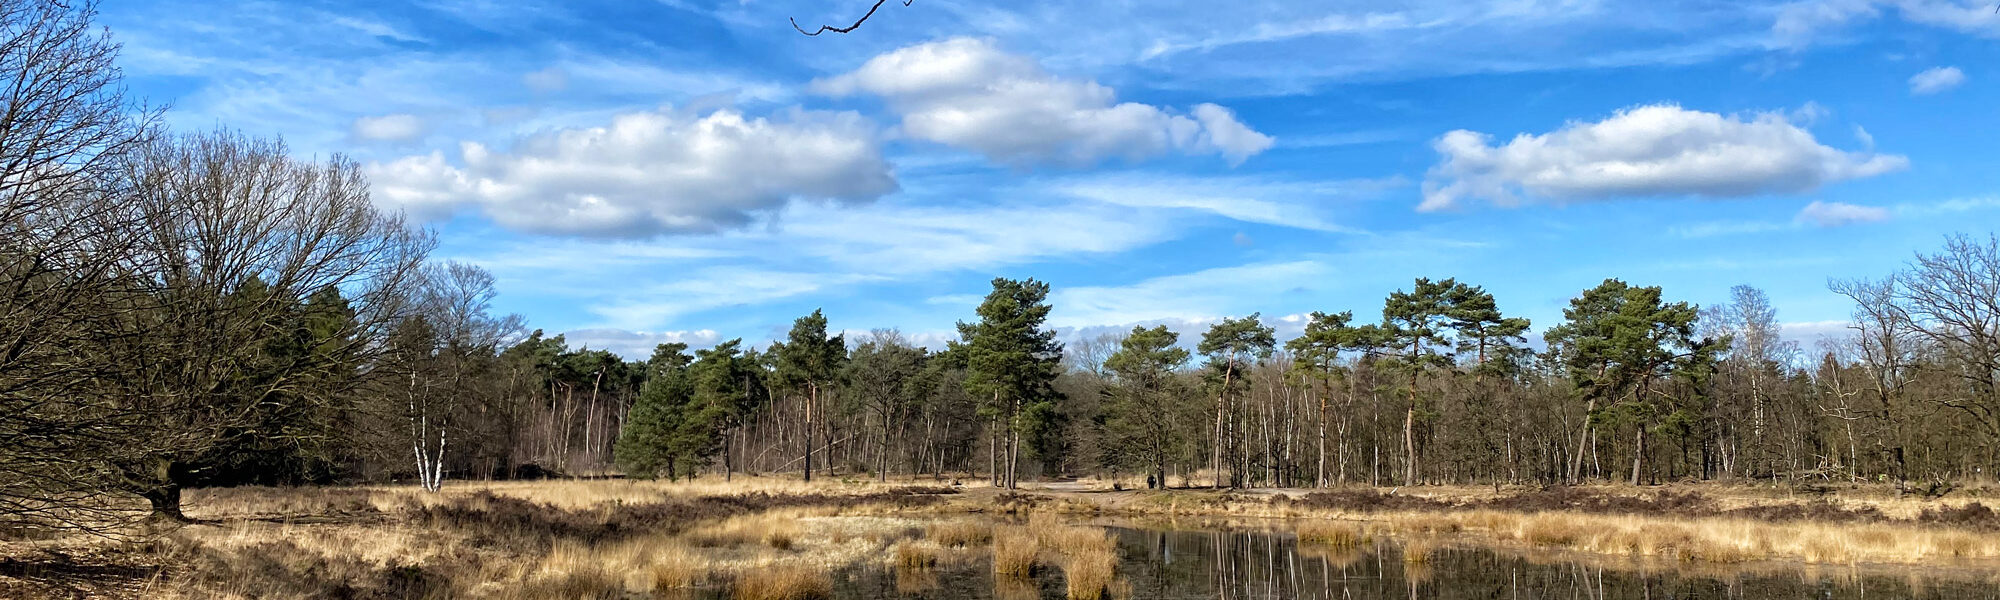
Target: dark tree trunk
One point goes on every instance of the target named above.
(166, 501)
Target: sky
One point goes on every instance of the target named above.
(690, 170)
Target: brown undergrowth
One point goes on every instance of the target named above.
(490, 541)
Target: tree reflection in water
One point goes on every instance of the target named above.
(1256, 565)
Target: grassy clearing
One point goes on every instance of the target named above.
(593, 539)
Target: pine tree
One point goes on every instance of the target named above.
(646, 447)
(1013, 359)
(810, 362)
(1232, 345)
(1146, 407)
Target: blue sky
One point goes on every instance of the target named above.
(684, 170)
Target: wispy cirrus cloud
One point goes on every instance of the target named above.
(1190, 297)
(1837, 214)
(1280, 202)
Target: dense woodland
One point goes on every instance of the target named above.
(209, 309)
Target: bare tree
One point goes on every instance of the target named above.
(233, 233)
(65, 124)
(439, 352)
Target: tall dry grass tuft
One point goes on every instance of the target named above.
(674, 568)
(914, 555)
(782, 582)
(1419, 549)
(778, 529)
(1088, 570)
(1335, 535)
(1014, 550)
(959, 533)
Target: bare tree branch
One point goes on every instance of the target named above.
(849, 28)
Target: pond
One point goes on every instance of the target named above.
(1250, 565)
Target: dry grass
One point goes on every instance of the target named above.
(1418, 550)
(961, 533)
(1088, 562)
(914, 555)
(1014, 551)
(593, 539)
(778, 529)
(786, 582)
(677, 570)
(1332, 534)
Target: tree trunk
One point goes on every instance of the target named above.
(1582, 439)
(1410, 444)
(165, 499)
(811, 399)
(1638, 453)
(1410, 429)
(1322, 441)
(1221, 408)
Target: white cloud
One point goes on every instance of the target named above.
(1269, 31)
(1935, 80)
(647, 173)
(552, 79)
(389, 128)
(1799, 22)
(710, 288)
(968, 93)
(376, 28)
(1966, 16)
(1190, 297)
(816, 250)
(1654, 150)
(1948, 207)
(1836, 214)
(637, 345)
(1303, 205)
(1727, 228)
(1809, 334)
(906, 239)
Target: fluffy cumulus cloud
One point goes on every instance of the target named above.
(647, 173)
(389, 128)
(1836, 214)
(968, 93)
(1646, 151)
(1936, 79)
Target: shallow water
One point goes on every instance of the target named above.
(1250, 565)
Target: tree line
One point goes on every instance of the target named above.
(207, 309)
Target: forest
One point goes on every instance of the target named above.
(183, 310)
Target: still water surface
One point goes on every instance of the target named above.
(1253, 565)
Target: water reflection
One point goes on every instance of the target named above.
(1254, 565)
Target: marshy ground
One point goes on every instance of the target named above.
(768, 538)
